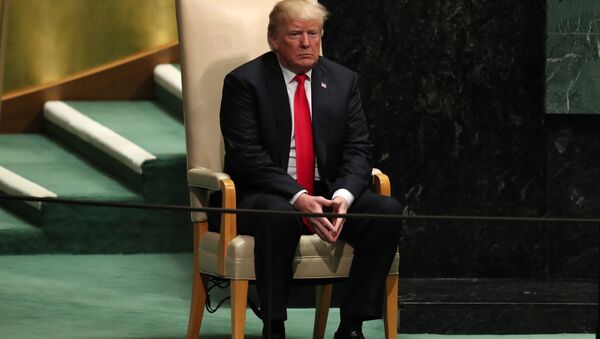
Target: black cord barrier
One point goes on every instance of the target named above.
(255, 309)
(294, 213)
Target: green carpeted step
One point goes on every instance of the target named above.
(51, 165)
(167, 78)
(143, 145)
(89, 229)
(147, 125)
(19, 236)
(46, 163)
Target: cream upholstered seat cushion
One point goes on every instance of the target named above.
(314, 259)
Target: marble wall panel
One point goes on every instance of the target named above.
(573, 189)
(454, 94)
(573, 56)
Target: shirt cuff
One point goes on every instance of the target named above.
(344, 193)
(297, 195)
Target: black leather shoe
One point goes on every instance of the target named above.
(349, 335)
(273, 335)
(277, 331)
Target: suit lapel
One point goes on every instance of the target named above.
(320, 99)
(283, 116)
(281, 107)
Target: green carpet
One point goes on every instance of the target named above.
(85, 229)
(133, 296)
(146, 123)
(153, 127)
(19, 236)
(10, 222)
(51, 165)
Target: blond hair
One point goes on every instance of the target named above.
(296, 9)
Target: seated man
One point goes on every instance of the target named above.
(296, 138)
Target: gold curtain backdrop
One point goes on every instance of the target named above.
(47, 40)
(3, 14)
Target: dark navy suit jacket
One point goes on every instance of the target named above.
(256, 123)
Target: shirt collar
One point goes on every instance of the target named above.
(288, 75)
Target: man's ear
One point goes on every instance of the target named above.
(272, 43)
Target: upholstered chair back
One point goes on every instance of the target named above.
(212, 45)
(215, 37)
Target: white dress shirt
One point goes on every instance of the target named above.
(291, 86)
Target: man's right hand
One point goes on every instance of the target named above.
(314, 204)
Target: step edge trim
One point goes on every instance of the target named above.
(13, 183)
(122, 149)
(169, 77)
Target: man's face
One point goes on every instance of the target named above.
(297, 44)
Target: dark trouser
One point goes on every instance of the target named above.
(276, 237)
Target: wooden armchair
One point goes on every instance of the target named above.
(215, 37)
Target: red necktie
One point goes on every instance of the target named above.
(305, 154)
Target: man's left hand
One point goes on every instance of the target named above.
(339, 206)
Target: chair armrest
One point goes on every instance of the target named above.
(381, 183)
(205, 178)
(201, 177)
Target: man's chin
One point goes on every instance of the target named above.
(306, 63)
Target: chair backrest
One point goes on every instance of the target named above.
(215, 36)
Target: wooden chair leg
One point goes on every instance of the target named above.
(239, 296)
(322, 310)
(197, 304)
(391, 307)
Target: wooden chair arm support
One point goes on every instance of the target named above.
(228, 222)
(204, 178)
(381, 184)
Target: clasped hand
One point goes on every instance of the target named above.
(327, 230)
